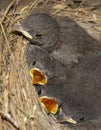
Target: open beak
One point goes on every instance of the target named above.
(20, 29)
(38, 77)
(50, 104)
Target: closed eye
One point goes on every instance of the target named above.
(34, 62)
(38, 35)
(82, 119)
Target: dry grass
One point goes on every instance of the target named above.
(19, 108)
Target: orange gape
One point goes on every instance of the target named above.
(38, 77)
(49, 104)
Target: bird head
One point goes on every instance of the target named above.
(41, 29)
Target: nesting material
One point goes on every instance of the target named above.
(38, 77)
(50, 104)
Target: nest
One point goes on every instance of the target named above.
(19, 107)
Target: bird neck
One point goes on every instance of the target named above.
(51, 49)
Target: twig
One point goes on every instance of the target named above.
(34, 4)
(6, 11)
(8, 118)
(3, 31)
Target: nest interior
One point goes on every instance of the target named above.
(19, 107)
